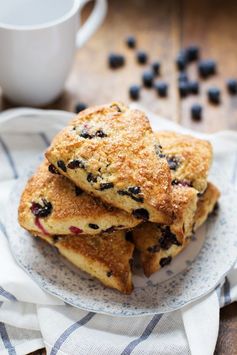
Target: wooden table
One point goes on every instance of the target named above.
(162, 28)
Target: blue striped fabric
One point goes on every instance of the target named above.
(6, 340)
(9, 158)
(147, 332)
(7, 295)
(63, 337)
(226, 290)
(3, 230)
(45, 139)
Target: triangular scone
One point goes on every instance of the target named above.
(108, 257)
(111, 152)
(158, 245)
(189, 158)
(52, 204)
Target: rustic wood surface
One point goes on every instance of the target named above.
(162, 28)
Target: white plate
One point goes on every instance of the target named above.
(194, 273)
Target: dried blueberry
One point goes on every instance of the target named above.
(193, 87)
(232, 86)
(78, 191)
(100, 134)
(196, 112)
(173, 162)
(165, 261)
(109, 273)
(154, 248)
(53, 170)
(147, 79)
(192, 53)
(80, 106)
(131, 41)
(134, 190)
(134, 92)
(129, 236)
(183, 88)
(156, 68)
(116, 60)
(41, 210)
(141, 213)
(142, 57)
(91, 178)
(214, 95)
(76, 163)
(93, 226)
(183, 76)
(181, 61)
(206, 68)
(106, 185)
(61, 165)
(137, 199)
(161, 88)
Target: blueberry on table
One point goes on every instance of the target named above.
(161, 88)
(183, 76)
(80, 106)
(206, 68)
(116, 60)
(142, 57)
(183, 89)
(232, 86)
(134, 92)
(214, 95)
(147, 79)
(181, 61)
(192, 52)
(196, 112)
(131, 41)
(156, 68)
(193, 87)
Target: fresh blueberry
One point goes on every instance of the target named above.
(193, 87)
(147, 79)
(196, 112)
(80, 106)
(131, 41)
(134, 92)
(214, 95)
(181, 61)
(206, 68)
(192, 52)
(142, 57)
(61, 165)
(183, 89)
(116, 60)
(156, 67)
(232, 86)
(161, 88)
(183, 76)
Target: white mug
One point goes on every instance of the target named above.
(38, 39)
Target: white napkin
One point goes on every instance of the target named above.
(31, 319)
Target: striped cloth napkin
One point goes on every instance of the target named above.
(31, 319)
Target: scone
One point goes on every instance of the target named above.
(107, 257)
(52, 204)
(189, 158)
(111, 152)
(159, 244)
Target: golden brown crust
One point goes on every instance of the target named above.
(194, 157)
(68, 209)
(124, 155)
(107, 257)
(155, 242)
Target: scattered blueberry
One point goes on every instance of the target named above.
(130, 194)
(131, 41)
(183, 88)
(142, 57)
(80, 106)
(141, 213)
(116, 60)
(93, 226)
(53, 170)
(181, 61)
(106, 185)
(161, 88)
(192, 53)
(156, 68)
(206, 68)
(168, 238)
(78, 191)
(196, 112)
(134, 92)
(147, 79)
(134, 190)
(193, 87)
(165, 261)
(41, 210)
(214, 95)
(61, 165)
(232, 86)
(75, 164)
(183, 76)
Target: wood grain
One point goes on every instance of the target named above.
(162, 28)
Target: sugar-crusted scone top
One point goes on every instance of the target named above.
(189, 158)
(52, 203)
(111, 151)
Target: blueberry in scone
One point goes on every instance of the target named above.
(53, 204)
(124, 157)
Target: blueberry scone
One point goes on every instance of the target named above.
(107, 257)
(111, 152)
(158, 245)
(52, 204)
(189, 158)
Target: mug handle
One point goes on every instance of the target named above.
(92, 23)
